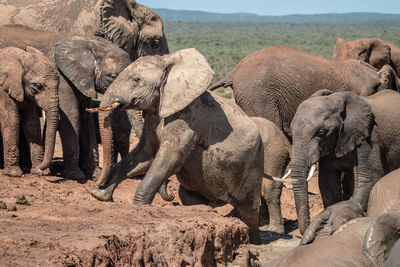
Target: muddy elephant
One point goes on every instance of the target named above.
(371, 50)
(214, 149)
(272, 82)
(28, 79)
(276, 158)
(133, 27)
(360, 241)
(344, 132)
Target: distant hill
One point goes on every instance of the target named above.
(190, 16)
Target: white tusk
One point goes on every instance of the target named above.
(311, 173)
(287, 174)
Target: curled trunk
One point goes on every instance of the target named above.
(52, 123)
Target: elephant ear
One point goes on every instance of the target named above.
(189, 77)
(388, 78)
(381, 237)
(118, 24)
(76, 61)
(11, 77)
(357, 123)
(380, 53)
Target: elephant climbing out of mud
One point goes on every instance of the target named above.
(28, 79)
(214, 149)
(347, 238)
(272, 82)
(374, 51)
(276, 158)
(344, 132)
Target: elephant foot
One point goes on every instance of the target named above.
(13, 171)
(279, 229)
(75, 173)
(37, 171)
(102, 194)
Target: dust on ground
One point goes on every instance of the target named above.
(62, 224)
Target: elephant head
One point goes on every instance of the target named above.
(381, 237)
(325, 124)
(29, 74)
(371, 50)
(91, 64)
(161, 84)
(135, 28)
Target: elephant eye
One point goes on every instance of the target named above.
(136, 80)
(37, 87)
(322, 133)
(155, 44)
(111, 76)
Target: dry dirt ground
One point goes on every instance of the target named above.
(62, 225)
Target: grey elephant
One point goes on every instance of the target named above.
(276, 158)
(371, 50)
(361, 241)
(272, 82)
(133, 27)
(214, 149)
(28, 79)
(344, 132)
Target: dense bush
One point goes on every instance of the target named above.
(225, 44)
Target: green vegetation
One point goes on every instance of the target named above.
(225, 43)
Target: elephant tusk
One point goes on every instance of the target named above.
(287, 174)
(106, 108)
(311, 172)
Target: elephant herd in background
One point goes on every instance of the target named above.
(290, 106)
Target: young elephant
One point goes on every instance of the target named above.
(344, 132)
(213, 148)
(359, 242)
(28, 79)
(276, 158)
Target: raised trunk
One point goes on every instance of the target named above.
(52, 123)
(300, 190)
(106, 134)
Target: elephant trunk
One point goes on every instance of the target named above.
(106, 134)
(52, 123)
(300, 189)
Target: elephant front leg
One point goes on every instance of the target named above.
(10, 134)
(271, 205)
(168, 161)
(31, 128)
(329, 183)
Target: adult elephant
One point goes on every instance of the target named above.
(272, 82)
(344, 132)
(133, 27)
(360, 241)
(27, 79)
(374, 51)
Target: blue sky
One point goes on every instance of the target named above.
(279, 7)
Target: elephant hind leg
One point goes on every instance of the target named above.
(250, 217)
(271, 197)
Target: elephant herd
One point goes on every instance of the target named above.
(111, 57)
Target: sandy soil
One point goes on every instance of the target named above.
(63, 225)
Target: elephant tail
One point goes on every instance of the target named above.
(226, 82)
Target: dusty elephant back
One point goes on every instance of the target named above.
(51, 15)
(385, 195)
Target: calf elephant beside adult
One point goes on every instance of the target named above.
(360, 241)
(27, 79)
(214, 149)
(272, 82)
(344, 132)
(374, 51)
